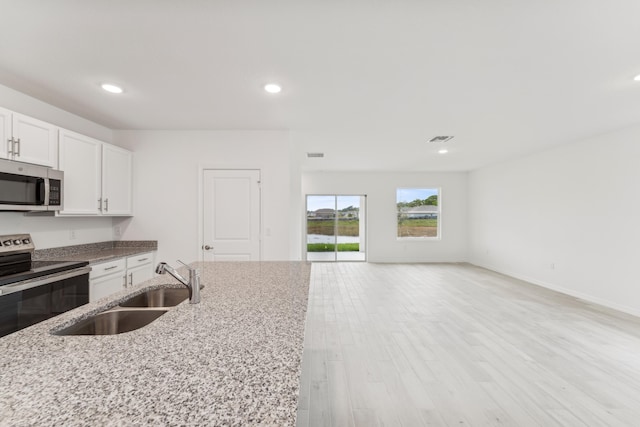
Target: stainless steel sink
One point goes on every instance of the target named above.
(113, 322)
(133, 313)
(162, 297)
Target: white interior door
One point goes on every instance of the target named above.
(231, 205)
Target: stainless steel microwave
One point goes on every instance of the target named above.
(27, 187)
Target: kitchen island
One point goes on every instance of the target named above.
(233, 359)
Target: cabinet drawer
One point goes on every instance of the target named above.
(138, 260)
(102, 269)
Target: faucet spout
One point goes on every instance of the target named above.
(193, 284)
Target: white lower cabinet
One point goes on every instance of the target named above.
(139, 268)
(109, 277)
(106, 278)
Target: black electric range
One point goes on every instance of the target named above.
(33, 291)
(33, 269)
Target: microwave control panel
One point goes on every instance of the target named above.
(54, 192)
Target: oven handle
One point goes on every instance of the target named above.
(44, 280)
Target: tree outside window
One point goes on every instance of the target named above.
(418, 212)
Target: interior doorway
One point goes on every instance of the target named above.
(231, 215)
(335, 227)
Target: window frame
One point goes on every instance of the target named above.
(439, 216)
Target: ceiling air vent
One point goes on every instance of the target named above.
(440, 138)
(317, 155)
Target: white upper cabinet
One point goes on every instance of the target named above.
(81, 161)
(34, 141)
(97, 177)
(5, 133)
(116, 180)
(29, 140)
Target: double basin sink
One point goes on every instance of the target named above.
(131, 314)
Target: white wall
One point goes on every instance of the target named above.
(166, 168)
(380, 188)
(48, 232)
(32, 107)
(52, 232)
(567, 219)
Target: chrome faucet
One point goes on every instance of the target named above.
(193, 284)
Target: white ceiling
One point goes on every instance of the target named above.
(365, 82)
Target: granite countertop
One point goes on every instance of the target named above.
(102, 255)
(97, 252)
(232, 360)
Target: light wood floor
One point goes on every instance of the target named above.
(456, 345)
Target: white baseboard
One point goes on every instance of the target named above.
(585, 297)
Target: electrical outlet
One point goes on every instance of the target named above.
(72, 234)
(117, 232)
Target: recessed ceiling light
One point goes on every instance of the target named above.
(443, 151)
(111, 88)
(637, 78)
(272, 88)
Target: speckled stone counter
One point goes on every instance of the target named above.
(232, 360)
(97, 252)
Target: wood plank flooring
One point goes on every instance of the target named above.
(456, 345)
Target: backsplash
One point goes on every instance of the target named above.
(51, 232)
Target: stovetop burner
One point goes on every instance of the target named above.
(16, 264)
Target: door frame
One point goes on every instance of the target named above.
(200, 223)
(364, 222)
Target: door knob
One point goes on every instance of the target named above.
(207, 247)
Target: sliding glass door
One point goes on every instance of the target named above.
(335, 227)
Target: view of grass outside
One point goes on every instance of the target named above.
(333, 223)
(418, 212)
(327, 227)
(330, 247)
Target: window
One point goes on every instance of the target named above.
(418, 213)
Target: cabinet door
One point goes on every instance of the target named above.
(139, 274)
(5, 133)
(105, 286)
(81, 161)
(116, 180)
(38, 141)
(140, 268)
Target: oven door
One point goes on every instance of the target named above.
(23, 304)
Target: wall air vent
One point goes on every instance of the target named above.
(440, 138)
(316, 155)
